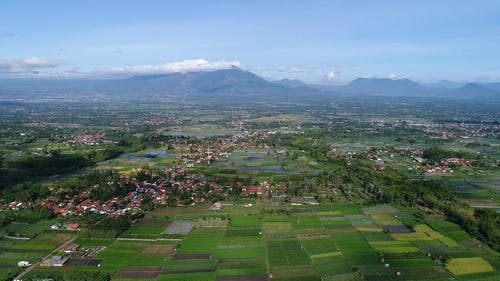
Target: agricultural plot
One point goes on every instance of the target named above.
(180, 227)
(189, 266)
(450, 229)
(335, 223)
(140, 230)
(296, 273)
(120, 254)
(13, 251)
(358, 220)
(276, 227)
(355, 248)
(319, 247)
(391, 247)
(380, 210)
(242, 260)
(464, 266)
(255, 277)
(385, 219)
(314, 243)
(211, 222)
(423, 228)
(200, 243)
(158, 249)
(286, 253)
(139, 272)
(197, 276)
(299, 222)
(83, 262)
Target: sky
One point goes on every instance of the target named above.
(314, 41)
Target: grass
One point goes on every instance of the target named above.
(463, 266)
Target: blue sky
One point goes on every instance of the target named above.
(316, 41)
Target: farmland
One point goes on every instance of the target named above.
(300, 246)
(344, 191)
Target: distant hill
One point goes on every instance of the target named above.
(474, 90)
(291, 83)
(227, 84)
(386, 87)
(444, 84)
(492, 86)
(238, 85)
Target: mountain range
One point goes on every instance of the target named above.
(241, 85)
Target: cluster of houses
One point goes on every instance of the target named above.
(80, 204)
(446, 166)
(454, 129)
(87, 139)
(161, 190)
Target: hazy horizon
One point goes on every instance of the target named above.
(316, 42)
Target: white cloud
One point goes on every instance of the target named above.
(331, 75)
(396, 76)
(36, 67)
(181, 66)
(25, 65)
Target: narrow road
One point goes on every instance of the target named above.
(30, 268)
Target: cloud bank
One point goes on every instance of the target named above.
(28, 65)
(180, 66)
(42, 68)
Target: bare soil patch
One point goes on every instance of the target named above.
(159, 250)
(139, 272)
